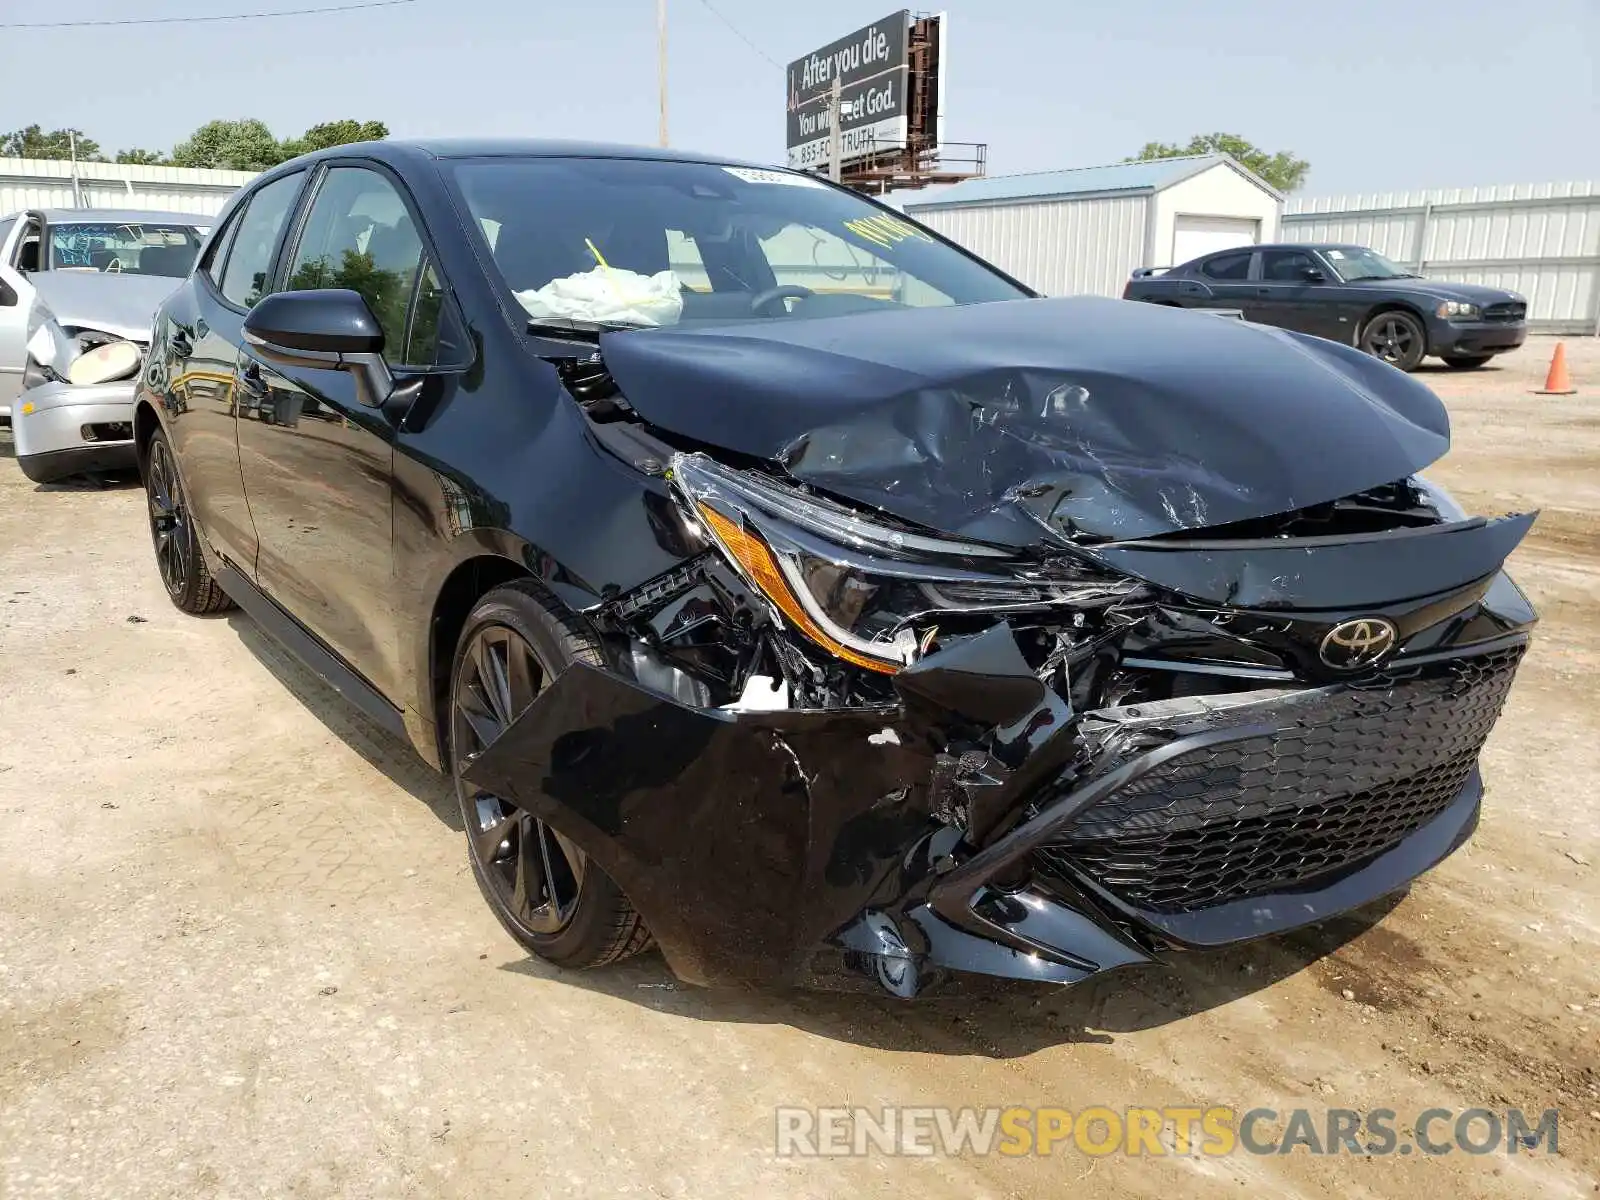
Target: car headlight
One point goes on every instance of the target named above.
(1456, 309)
(867, 592)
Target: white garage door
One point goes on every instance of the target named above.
(1194, 236)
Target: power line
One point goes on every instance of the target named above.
(246, 16)
(738, 34)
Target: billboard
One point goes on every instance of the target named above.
(871, 66)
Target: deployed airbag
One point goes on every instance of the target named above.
(608, 294)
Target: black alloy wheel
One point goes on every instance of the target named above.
(172, 532)
(1466, 362)
(536, 872)
(541, 885)
(1397, 338)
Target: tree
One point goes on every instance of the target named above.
(1282, 170)
(336, 133)
(141, 158)
(244, 145)
(33, 142)
(248, 145)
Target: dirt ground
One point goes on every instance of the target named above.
(241, 952)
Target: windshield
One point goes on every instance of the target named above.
(121, 247)
(647, 242)
(1353, 263)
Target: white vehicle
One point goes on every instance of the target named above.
(73, 280)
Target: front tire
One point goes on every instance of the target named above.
(544, 889)
(1465, 362)
(1397, 338)
(176, 539)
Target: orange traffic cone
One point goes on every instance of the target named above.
(1557, 382)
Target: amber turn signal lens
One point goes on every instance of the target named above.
(755, 557)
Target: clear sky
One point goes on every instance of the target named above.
(1377, 94)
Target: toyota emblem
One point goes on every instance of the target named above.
(1358, 643)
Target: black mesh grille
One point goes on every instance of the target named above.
(1505, 311)
(1349, 777)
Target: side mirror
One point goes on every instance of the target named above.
(1312, 274)
(330, 329)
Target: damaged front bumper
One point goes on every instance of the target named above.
(846, 848)
(64, 429)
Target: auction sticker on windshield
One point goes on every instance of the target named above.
(760, 175)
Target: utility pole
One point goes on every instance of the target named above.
(835, 167)
(661, 67)
(77, 188)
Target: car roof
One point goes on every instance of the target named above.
(397, 149)
(1287, 246)
(123, 215)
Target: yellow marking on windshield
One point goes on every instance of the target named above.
(885, 230)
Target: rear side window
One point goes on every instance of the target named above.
(1227, 266)
(244, 278)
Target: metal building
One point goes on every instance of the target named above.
(53, 183)
(1085, 230)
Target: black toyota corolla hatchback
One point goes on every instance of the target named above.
(784, 585)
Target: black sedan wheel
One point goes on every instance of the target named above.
(1397, 338)
(172, 531)
(1465, 362)
(546, 891)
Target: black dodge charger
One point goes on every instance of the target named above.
(781, 584)
(1350, 294)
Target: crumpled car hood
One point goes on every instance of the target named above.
(1027, 420)
(124, 305)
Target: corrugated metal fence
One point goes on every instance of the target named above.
(1542, 240)
(1059, 247)
(48, 183)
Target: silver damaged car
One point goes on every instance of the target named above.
(78, 290)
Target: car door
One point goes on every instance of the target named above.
(202, 349)
(1294, 291)
(317, 461)
(1350, 302)
(1227, 281)
(16, 302)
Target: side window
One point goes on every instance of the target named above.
(1286, 266)
(217, 252)
(26, 255)
(360, 236)
(436, 338)
(244, 277)
(1227, 266)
